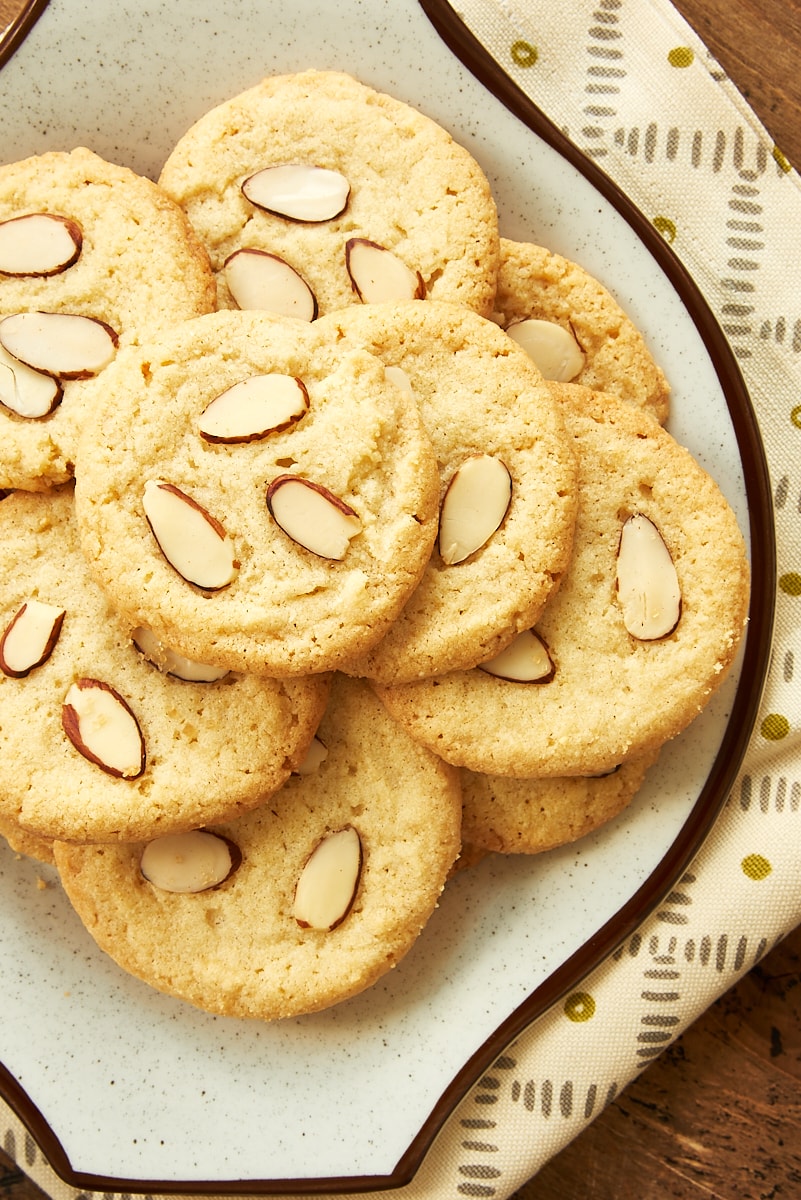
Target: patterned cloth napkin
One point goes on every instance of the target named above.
(634, 88)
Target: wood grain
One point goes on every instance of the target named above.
(757, 43)
(718, 1115)
(14, 1185)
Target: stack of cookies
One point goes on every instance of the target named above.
(343, 543)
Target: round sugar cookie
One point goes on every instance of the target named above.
(84, 238)
(259, 945)
(349, 460)
(505, 815)
(479, 397)
(613, 689)
(594, 344)
(176, 752)
(361, 173)
(25, 843)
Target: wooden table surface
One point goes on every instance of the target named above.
(718, 1115)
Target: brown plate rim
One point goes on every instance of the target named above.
(756, 657)
(19, 26)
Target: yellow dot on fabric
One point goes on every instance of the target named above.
(783, 162)
(666, 228)
(775, 727)
(680, 56)
(795, 416)
(791, 583)
(580, 1007)
(756, 866)
(524, 54)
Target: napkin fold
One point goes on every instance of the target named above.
(631, 84)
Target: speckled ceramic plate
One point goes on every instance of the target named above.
(129, 1090)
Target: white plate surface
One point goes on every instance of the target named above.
(139, 1086)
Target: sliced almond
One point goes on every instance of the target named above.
(259, 280)
(379, 275)
(647, 583)
(313, 759)
(190, 538)
(66, 345)
(170, 662)
(312, 516)
(30, 637)
(552, 348)
(102, 727)
(39, 244)
(254, 408)
(401, 380)
(28, 393)
(329, 881)
(298, 191)
(525, 660)
(474, 507)
(188, 862)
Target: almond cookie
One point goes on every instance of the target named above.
(258, 497)
(639, 636)
(313, 191)
(92, 258)
(574, 328)
(529, 816)
(27, 844)
(487, 411)
(105, 734)
(318, 893)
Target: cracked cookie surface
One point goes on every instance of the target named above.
(286, 609)
(536, 283)
(141, 268)
(612, 694)
(479, 397)
(238, 948)
(414, 191)
(211, 749)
